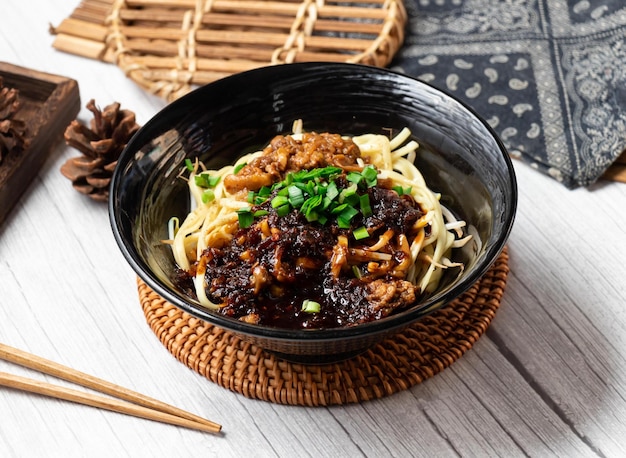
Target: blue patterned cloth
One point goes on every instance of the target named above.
(548, 75)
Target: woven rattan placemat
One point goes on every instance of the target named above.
(168, 47)
(399, 362)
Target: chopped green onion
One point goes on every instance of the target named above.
(331, 190)
(310, 306)
(214, 180)
(311, 203)
(364, 203)
(208, 196)
(312, 215)
(328, 172)
(402, 191)
(344, 218)
(289, 179)
(205, 180)
(255, 199)
(189, 164)
(201, 181)
(356, 271)
(349, 213)
(283, 210)
(279, 185)
(326, 202)
(310, 208)
(338, 209)
(349, 196)
(296, 197)
(360, 233)
(343, 223)
(370, 175)
(298, 184)
(265, 191)
(352, 189)
(245, 216)
(325, 172)
(354, 177)
(310, 188)
(238, 167)
(279, 201)
(260, 213)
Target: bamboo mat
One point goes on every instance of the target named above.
(168, 47)
(399, 362)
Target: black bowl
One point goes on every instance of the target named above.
(460, 157)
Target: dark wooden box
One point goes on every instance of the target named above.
(49, 103)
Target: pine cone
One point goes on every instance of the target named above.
(101, 145)
(12, 131)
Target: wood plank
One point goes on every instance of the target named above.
(617, 171)
(547, 379)
(562, 328)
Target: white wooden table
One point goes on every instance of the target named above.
(547, 379)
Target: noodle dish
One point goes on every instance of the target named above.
(317, 230)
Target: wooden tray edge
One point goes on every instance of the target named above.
(57, 100)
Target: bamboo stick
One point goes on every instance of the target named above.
(258, 54)
(93, 11)
(46, 366)
(46, 389)
(337, 43)
(162, 33)
(265, 7)
(93, 17)
(170, 49)
(190, 4)
(309, 56)
(79, 46)
(173, 63)
(241, 37)
(278, 39)
(197, 78)
(285, 8)
(249, 20)
(322, 25)
(80, 28)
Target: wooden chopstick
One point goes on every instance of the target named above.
(94, 400)
(138, 404)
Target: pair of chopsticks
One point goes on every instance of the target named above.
(129, 402)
